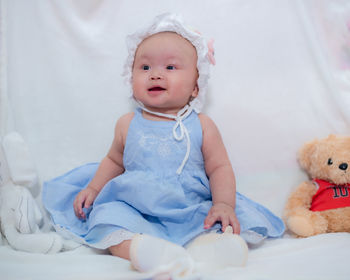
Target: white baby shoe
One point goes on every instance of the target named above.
(152, 254)
(219, 250)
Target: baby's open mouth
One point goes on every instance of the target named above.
(156, 88)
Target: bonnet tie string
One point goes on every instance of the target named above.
(183, 132)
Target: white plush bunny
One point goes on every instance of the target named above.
(21, 220)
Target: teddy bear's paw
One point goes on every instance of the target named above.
(300, 226)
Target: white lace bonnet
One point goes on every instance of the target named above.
(174, 23)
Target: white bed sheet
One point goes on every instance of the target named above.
(280, 80)
(320, 257)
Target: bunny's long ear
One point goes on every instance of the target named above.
(305, 153)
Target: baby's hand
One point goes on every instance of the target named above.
(83, 200)
(225, 214)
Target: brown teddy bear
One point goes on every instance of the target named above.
(322, 204)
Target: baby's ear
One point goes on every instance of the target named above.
(305, 153)
(195, 91)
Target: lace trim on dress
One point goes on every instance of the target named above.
(113, 238)
(109, 240)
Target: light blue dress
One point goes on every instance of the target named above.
(149, 197)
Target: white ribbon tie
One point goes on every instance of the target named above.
(181, 115)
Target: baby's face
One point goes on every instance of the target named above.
(164, 75)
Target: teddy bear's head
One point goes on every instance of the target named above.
(327, 159)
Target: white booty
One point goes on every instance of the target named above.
(219, 250)
(150, 254)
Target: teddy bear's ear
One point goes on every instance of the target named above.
(306, 152)
(331, 137)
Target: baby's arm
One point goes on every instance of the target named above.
(110, 167)
(221, 178)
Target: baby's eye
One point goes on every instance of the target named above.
(170, 67)
(145, 67)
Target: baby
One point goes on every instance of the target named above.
(165, 193)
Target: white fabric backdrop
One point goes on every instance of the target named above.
(280, 79)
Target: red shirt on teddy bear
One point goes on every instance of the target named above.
(330, 196)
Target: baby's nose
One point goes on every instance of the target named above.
(156, 75)
(343, 166)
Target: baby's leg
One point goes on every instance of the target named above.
(148, 253)
(121, 250)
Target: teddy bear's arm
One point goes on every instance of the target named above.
(301, 198)
(298, 216)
